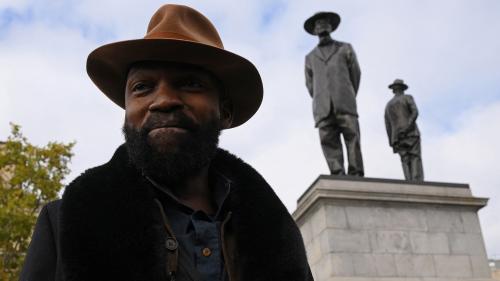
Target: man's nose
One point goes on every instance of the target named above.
(166, 98)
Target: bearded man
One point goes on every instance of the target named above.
(170, 204)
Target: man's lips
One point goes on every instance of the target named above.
(163, 125)
(170, 125)
(167, 129)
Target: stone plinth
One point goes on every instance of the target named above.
(362, 229)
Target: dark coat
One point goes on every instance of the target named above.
(107, 227)
(333, 78)
(400, 122)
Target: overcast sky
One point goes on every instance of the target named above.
(447, 51)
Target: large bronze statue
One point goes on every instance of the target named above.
(332, 78)
(404, 137)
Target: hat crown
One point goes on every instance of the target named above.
(180, 22)
(399, 82)
(321, 15)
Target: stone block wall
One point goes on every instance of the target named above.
(380, 238)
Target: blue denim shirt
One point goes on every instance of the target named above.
(198, 233)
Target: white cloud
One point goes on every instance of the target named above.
(470, 155)
(42, 77)
(19, 4)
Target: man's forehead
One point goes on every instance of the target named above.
(151, 67)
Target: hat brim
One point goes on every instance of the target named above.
(405, 87)
(332, 17)
(108, 68)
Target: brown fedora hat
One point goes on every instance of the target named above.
(178, 33)
(399, 82)
(334, 19)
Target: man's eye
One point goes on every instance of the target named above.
(192, 85)
(140, 87)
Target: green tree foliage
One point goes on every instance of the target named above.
(30, 177)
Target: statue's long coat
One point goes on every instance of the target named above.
(400, 115)
(107, 227)
(332, 79)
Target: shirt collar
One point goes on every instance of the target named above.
(218, 182)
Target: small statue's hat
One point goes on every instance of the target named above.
(398, 82)
(334, 19)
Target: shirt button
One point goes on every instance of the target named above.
(206, 252)
(171, 244)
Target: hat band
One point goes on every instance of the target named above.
(177, 36)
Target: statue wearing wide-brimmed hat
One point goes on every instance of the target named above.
(332, 79)
(404, 137)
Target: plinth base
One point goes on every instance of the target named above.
(365, 229)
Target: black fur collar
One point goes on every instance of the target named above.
(110, 229)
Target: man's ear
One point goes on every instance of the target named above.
(226, 114)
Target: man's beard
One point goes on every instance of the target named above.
(172, 166)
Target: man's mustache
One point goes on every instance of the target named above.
(164, 120)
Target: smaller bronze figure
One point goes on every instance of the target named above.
(404, 137)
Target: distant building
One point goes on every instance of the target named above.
(495, 268)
